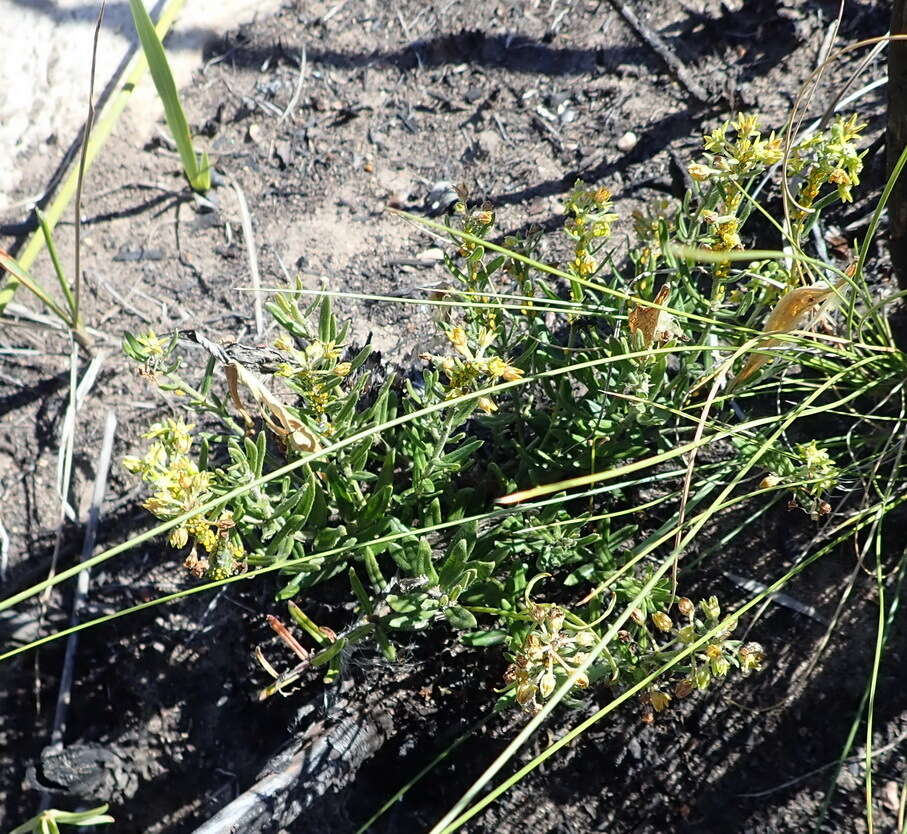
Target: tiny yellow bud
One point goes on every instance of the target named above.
(685, 606)
(487, 405)
(343, 369)
(178, 538)
(662, 621)
(547, 684)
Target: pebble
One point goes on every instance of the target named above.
(627, 142)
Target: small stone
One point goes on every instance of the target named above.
(254, 134)
(627, 142)
(890, 795)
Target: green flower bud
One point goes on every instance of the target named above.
(710, 608)
(702, 677)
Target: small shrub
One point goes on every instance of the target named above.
(576, 383)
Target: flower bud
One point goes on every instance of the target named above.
(555, 619)
(132, 464)
(769, 481)
(702, 677)
(710, 608)
(662, 621)
(719, 667)
(584, 639)
(713, 651)
(751, 656)
(686, 635)
(685, 606)
(638, 617)
(547, 684)
(487, 405)
(457, 338)
(683, 688)
(581, 680)
(659, 700)
(525, 693)
(343, 369)
(179, 537)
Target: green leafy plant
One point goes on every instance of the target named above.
(554, 433)
(49, 822)
(196, 166)
(596, 378)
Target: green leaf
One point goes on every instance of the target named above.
(424, 565)
(373, 569)
(377, 504)
(465, 451)
(199, 175)
(365, 602)
(453, 566)
(460, 618)
(481, 639)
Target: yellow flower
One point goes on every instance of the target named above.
(178, 538)
(457, 337)
(487, 405)
(208, 539)
(152, 343)
(343, 369)
(700, 172)
(601, 197)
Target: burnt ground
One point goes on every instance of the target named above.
(517, 100)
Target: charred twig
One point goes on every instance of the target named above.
(325, 758)
(657, 44)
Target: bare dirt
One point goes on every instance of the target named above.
(517, 100)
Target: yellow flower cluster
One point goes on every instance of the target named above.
(713, 661)
(830, 157)
(472, 368)
(728, 165)
(590, 218)
(550, 652)
(180, 487)
(314, 371)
